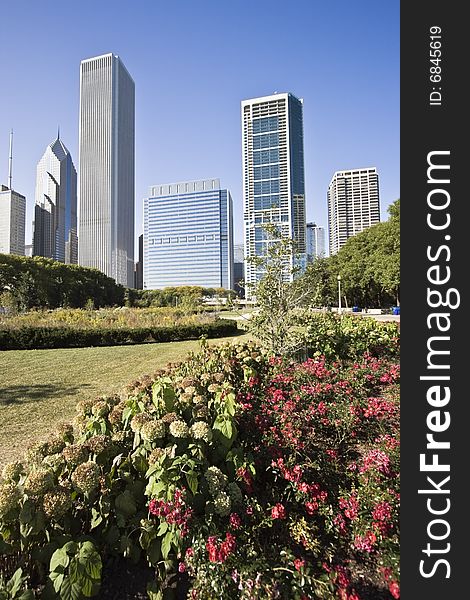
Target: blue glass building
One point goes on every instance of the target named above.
(273, 176)
(188, 235)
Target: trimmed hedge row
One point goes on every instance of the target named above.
(34, 338)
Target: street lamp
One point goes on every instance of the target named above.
(339, 294)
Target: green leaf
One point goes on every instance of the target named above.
(193, 481)
(126, 504)
(59, 560)
(166, 544)
(16, 581)
(153, 592)
(162, 529)
(96, 518)
(225, 426)
(230, 404)
(154, 552)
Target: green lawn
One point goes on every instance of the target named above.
(39, 388)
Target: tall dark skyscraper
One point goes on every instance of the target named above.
(273, 175)
(55, 211)
(106, 168)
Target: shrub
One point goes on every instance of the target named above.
(30, 337)
(348, 336)
(257, 477)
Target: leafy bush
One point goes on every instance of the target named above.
(256, 477)
(42, 282)
(348, 336)
(28, 338)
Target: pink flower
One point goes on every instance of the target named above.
(189, 552)
(181, 567)
(278, 511)
(299, 563)
(311, 507)
(235, 521)
(394, 589)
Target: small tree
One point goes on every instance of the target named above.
(280, 296)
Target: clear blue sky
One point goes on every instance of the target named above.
(192, 63)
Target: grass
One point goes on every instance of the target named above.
(39, 388)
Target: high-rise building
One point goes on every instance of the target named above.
(353, 204)
(106, 168)
(55, 210)
(12, 221)
(315, 241)
(273, 176)
(188, 235)
(239, 268)
(139, 266)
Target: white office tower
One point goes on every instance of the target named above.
(12, 221)
(12, 214)
(315, 241)
(273, 177)
(353, 204)
(106, 168)
(55, 211)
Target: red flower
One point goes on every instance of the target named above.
(299, 563)
(278, 511)
(181, 567)
(394, 589)
(235, 521)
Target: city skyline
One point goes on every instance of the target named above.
(181, 118)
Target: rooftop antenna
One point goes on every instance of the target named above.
(10, 160)
(58, 132)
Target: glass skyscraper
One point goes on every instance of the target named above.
(315, 241)
(106, 168)
(188, 235)
(55, 211)
(273, 176)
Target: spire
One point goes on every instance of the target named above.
(10, 160)
(58, 132)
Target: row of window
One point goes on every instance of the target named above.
(271, 186)
(266, 156)
(266, 172)
(183, 239)
(265, 124)
(266, 140)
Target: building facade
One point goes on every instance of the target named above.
(239, 269)
(188, 235)
(353, 204)
(106, 168)
(273, 176)
(12, 221)
(315, 241)
(55, 210)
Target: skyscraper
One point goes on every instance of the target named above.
(12, 214)
(188, 235)
(315, 241)
(55, 211)
(353, 204)
(273, 175)
(12, 221)
(106, 168)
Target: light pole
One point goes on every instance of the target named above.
(339, 294)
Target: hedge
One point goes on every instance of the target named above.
(32, 338)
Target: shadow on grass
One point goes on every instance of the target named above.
(22, 394)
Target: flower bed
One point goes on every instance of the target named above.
(250, 477)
